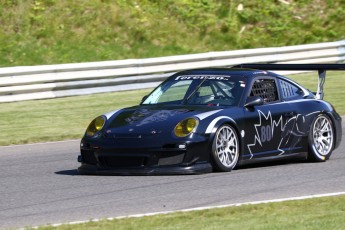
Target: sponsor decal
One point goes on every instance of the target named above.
(144, 116)
(261, 72)
(202, 77)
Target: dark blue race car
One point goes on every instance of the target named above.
(207, 120)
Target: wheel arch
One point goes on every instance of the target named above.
(335, 128)
(231, 122)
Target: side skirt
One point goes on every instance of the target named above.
(301, 156)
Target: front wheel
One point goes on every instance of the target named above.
(225, 149)
(321, 139)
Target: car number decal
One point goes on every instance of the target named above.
(265, 130)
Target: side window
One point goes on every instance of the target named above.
(265, 88)
(289, 91)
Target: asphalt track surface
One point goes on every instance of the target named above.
(39, 185)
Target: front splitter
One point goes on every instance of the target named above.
(198, 168)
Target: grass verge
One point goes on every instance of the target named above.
(317, 213)
(67, 118)
(58, 119)
(334, 87)
(40, 32)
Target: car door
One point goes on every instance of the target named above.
(266, 130)
(293, 95)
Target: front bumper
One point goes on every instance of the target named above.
(144, 157)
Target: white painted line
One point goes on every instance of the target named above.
(41, 143)
(198, 209)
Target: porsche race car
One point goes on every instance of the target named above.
(214, 119)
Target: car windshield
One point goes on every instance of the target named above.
(198, 90)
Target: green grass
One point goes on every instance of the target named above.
(62, 31)
(334, 87)
(313, 214)
(58, 119)
(67, 118)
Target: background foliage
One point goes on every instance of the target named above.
(51, 31)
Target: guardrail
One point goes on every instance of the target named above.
(52, 81)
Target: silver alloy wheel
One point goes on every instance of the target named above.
(227, 147)
(323, 135)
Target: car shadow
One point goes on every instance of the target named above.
(71, 172)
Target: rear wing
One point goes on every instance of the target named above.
(321, 68)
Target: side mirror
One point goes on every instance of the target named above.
(254, 101)
(144, 98)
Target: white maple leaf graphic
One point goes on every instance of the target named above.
(273, 126)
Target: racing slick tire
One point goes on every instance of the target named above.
(225, 149)
(321, 139)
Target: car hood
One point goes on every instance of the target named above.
(154, 119)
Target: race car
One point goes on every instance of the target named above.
(214, 119)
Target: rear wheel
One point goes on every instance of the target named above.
(225, 149)
(321, 139)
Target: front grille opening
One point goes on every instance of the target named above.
(123, 161)
(170, 159)
(169, 146)
(88, 157)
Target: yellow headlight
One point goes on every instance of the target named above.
(95, 126)
(185, 127)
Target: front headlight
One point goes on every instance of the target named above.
(95, 126)
(185, 127)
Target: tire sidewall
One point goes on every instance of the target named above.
(313, 154)
(216, 163)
